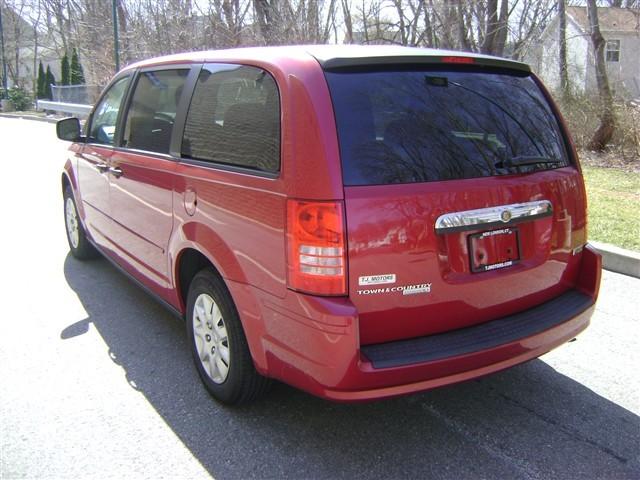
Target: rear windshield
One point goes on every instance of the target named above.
(421, 126)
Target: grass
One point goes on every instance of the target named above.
(614, 206)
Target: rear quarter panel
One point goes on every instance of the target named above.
(246, 213)
(239, 222)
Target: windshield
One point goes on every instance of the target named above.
(420, 126)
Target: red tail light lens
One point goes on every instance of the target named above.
(316, 247)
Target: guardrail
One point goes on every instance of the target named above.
(73, 108)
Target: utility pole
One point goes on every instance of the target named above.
(116, 46)
(4, 59)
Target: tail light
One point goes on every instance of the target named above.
(316, 247)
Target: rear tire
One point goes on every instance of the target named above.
(79, 244)
(218, 344)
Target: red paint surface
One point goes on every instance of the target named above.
(159, 208)
(391, 230)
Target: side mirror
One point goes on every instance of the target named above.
(68, 129)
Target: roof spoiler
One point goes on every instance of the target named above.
(340, 63)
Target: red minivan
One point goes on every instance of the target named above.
(359, 222)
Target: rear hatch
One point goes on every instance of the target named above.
(462, 202)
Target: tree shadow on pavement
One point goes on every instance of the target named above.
(526, 422)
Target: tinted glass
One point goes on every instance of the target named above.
(105, 116)
(152, 110)
(420, 126)
(234, 118)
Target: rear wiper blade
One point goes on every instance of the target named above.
(527, 160)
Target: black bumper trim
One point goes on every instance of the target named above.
(478, 337)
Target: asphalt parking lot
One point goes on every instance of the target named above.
(97, 381)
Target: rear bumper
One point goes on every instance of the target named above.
(478, 338)
(312, 343)
(465, 367)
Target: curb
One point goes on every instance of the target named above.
(619, 260)
(29, 117)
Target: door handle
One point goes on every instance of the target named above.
(115, 171)
(102, 167)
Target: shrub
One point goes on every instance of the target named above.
(19, 98)
(49, 80)
(77, 73)
(582, 113)
(65, 72)
(41, 83)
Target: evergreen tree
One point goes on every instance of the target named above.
(77, 74)
(42, 82)
(50, 80)
(64, 70)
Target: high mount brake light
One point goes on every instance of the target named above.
(465, 60)
(316, 247)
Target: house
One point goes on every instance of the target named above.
(620, 28)
(20, 46)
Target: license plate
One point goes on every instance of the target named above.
(494, 249)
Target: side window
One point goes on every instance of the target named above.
(234, 118)
(105, 116)
(150, 117)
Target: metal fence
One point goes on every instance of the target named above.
(71, 99)
(77, 94)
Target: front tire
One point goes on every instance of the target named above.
(79, 244)
(218, 344)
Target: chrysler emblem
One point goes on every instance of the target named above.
(505, 216)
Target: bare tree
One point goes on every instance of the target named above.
(33, 16)
(348, 21)
(603, 134)
(495, 36)
(527, 24)
(155, 27)
(562, 50)
(17, 27)
(58, 21)
(497, 27)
